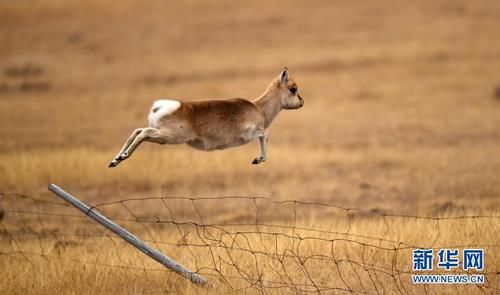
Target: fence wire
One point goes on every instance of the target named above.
(250, 244)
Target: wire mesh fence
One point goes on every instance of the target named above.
(247, 244)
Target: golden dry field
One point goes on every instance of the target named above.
(401, 121)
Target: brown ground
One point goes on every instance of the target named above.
(402, 108)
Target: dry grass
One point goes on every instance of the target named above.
(401, 113)
(236, 243)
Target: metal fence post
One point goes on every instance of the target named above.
(127, 236)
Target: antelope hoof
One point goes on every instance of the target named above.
(258, 160)
(113, 163)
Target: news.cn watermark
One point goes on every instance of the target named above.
(447, 260)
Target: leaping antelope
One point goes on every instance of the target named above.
(215, 124)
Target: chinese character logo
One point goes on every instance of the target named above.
(448, 258)
(422, 259)
(473, 259)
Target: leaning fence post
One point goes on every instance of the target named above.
(127, 236)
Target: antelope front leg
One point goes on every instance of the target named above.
(263, 147)
(120, 157)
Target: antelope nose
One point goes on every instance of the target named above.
(301, 100)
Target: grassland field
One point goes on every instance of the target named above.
(401, 116)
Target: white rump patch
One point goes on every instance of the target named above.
(161, 108)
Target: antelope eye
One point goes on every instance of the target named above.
(293, 90)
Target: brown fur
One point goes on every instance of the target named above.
(219, 124)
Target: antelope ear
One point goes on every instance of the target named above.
(284, 75)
